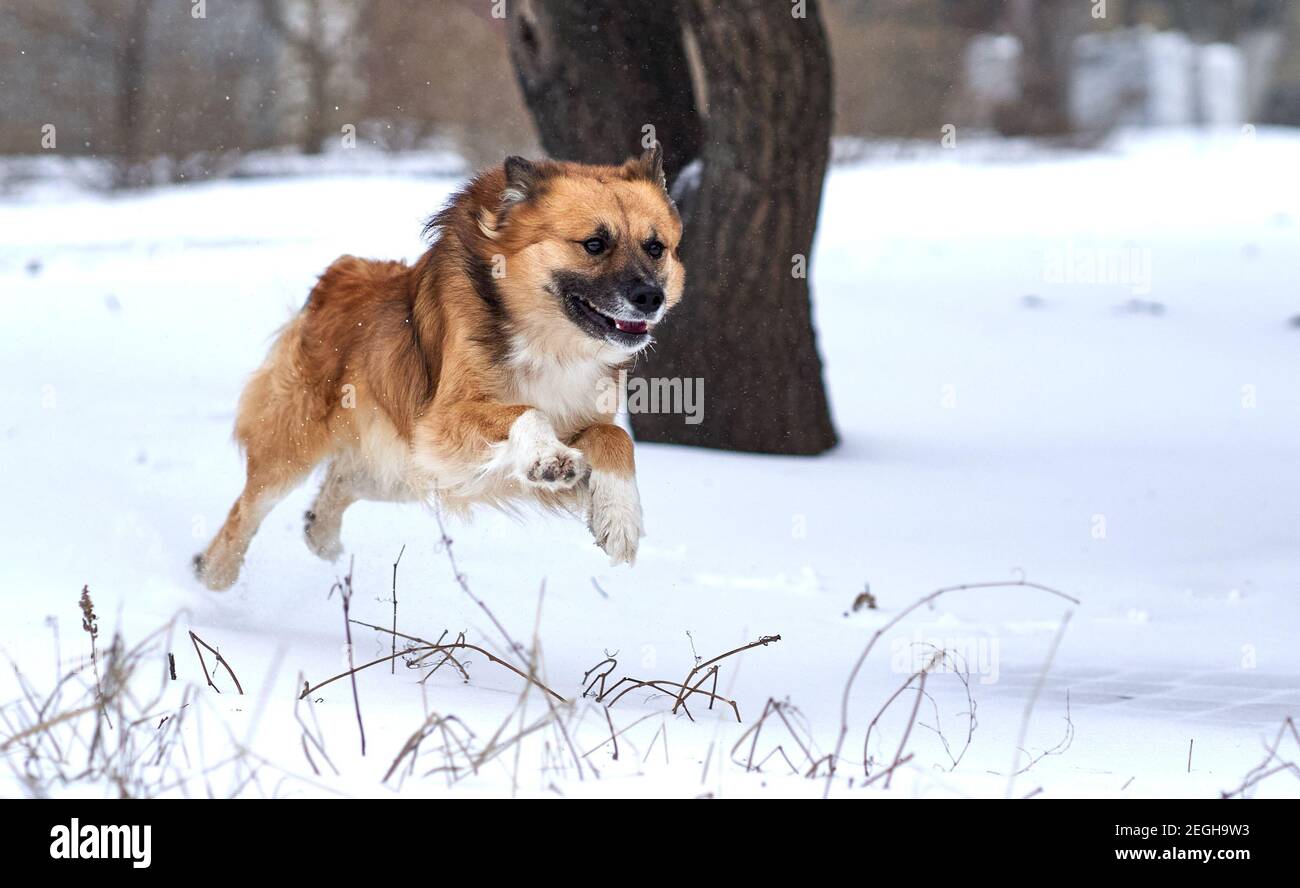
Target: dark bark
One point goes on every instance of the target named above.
(317, 127)
(130, 64)
(593, 74)
(317, 57)
(1046, 29)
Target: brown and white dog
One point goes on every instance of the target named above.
(475, 375)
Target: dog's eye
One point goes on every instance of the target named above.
(655, 249)
(594, 245)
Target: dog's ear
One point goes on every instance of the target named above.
(522, 178)
(649, 166)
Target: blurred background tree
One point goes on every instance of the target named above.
(321, 37)
(170, 95)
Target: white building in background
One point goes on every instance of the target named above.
(1142, 77)
(1106, 82)
(1221, 85)
(1168, 64)
(1136, 77)
(991, 65)
(991, 68)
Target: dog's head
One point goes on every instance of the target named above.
(585, 258)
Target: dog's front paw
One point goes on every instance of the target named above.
(538, 458)
(615, 519)
(556, 467)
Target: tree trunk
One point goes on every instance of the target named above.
(130, 91)
(316, 54)
(1046, 30)
(316, 127)
(594, 74)
(310, 45)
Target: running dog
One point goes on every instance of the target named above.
(477, 375)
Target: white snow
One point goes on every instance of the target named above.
(1131, 442)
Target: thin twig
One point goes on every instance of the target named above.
(1033, 698)
(463, 582)
(835, 756)
(762, 642)
(345, 593)
(1262, 771)
(221, 661)
(393, 666)
(430, 646)
(435, 648)
(889, 772)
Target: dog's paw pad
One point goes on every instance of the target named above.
(557, 469)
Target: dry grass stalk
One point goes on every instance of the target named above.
(221, 661)
(615, 734)
(113, 733)
(835, 757)
(344, 588)
(90, 624)
(393, 665)
(447, 657)
(796, 729)
(1029, 711)
(1066, 741)
(312, 735)
(701, 672)
(1273, 762)
(940, 661)
(130, 732)
(463, 582)
(422, 650)
(456, 750)
(761, 642)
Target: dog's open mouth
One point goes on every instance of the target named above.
(629, 329)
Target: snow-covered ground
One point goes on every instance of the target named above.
(1130, 441)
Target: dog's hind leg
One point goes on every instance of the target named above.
(324, 520)
(218, 567)
(283, 429)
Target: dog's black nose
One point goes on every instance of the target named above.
(646, 298)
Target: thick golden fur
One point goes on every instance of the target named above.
(461, 376)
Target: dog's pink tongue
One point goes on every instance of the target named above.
(631, 326)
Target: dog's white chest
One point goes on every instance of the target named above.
(572, 394)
